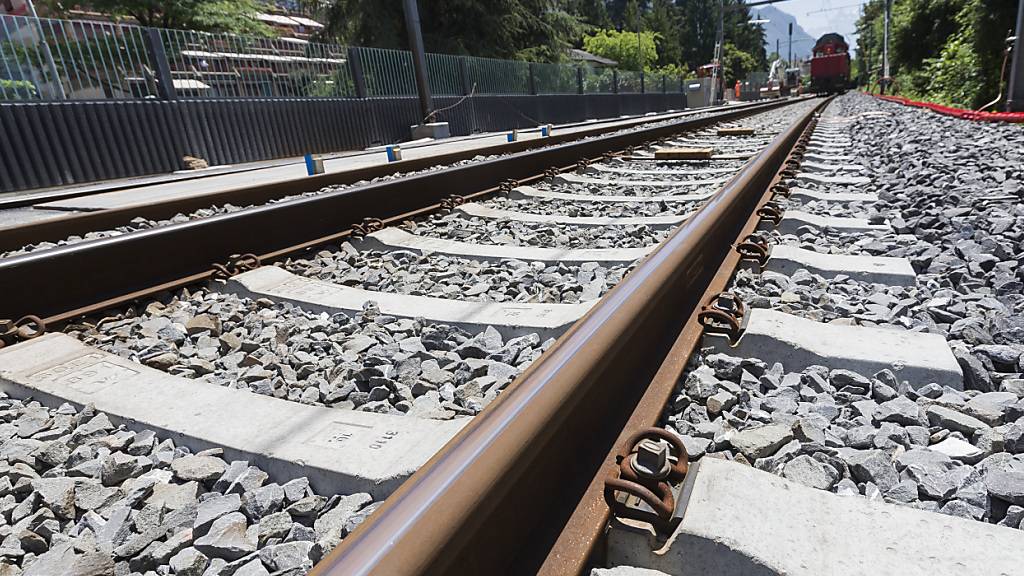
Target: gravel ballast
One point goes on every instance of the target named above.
(951, 190)
(369, 361)
(83, 497)
(452, 277)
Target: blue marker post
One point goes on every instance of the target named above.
(314, 165)
(394, 153)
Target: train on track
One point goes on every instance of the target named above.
(830, 64)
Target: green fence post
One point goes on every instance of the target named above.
(155, 45)
(464, 75)
(356, 67)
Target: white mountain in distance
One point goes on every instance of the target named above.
(778, 28)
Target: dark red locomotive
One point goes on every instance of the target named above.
(830, 64)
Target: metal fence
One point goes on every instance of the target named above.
(49, 59)
(85, 101)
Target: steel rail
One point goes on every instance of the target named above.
(66, 281)
(55, 229)
(495, 500)
(580, 539)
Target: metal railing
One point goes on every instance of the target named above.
(50, 59)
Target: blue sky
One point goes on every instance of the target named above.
(841, 16)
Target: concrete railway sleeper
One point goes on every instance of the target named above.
(248, 418)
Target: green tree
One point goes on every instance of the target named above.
(665, 21)
(736, 64)
(746, 37)
(236, 16)
(623, 48)
(948, 51)
(593, 13)
(698, 30)
(541, 29)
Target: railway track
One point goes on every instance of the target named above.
(361, 347)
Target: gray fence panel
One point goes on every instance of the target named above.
(80, 155)
(61, 157)
(11, 176)
(93, 134)
(67, 142)
(40, 176)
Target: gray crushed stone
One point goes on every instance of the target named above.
(83, 497)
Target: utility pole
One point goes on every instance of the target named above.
(885, 49)
(419, 58)
(1015, 94)
(717, 71)
(639, 50)
(789, 61)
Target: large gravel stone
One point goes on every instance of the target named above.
(227, 538)
(213, 508)
(761, 442)
(991, 407)
(1006, 485)
(198, 468)
(900, 410)
(872, 466)
(189, 562)
(953, 420)
(810, 472)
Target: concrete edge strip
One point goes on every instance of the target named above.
(343, 451)
(792, 220)
(511, 319)
(837, 197)
(529, 192)
(877, 269)
(481, 211)
(568, 178)
(397, 239)
(841, 180)
(918, 357)
(598, 168)
(827, 157)
(828, 167)
(650, 157)
(719, 144)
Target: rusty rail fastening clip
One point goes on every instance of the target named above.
(25, 328)
(649, 463)
(607, 156)
(236, 264)
(779, 190)
(756, 248)
(449, 203)
(724, 316)
(582, 164)
(367, 226)
(552, 172)
(770, 212)
(507, 186)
